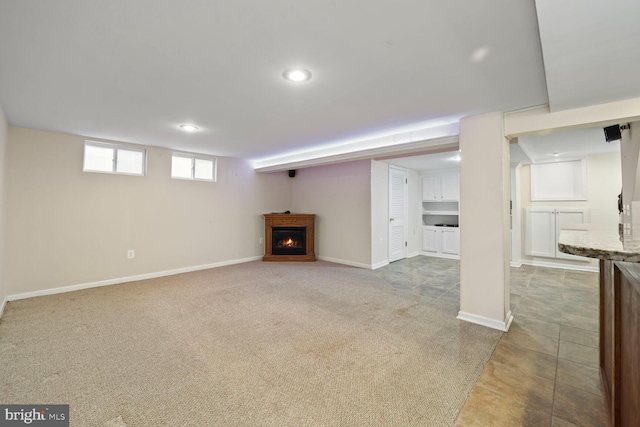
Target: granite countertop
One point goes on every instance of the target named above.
(601, 241)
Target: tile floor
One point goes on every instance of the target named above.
(544, 371)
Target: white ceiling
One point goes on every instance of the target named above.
(133, 70)
(565, 145)
(591, 50)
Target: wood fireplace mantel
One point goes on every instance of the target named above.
(289, 220)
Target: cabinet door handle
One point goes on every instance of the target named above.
(390, 219)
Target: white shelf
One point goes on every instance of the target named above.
(440, 213)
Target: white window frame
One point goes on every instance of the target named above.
(114, 164)
(193, 158)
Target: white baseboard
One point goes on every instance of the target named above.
(439, 255)
(516, 264)
(537, 263)
(386, 262)
(108, 282)
(485, 321)
(508, 321)
(379, 265)
(4, 304)
(345, 262)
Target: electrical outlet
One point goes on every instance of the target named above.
(261, 241)
(131, 253)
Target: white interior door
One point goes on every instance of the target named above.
(397, 213)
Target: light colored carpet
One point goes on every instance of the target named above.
(255, 344)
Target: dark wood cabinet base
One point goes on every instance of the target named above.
(620, 341)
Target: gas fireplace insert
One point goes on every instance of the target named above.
(289, 237)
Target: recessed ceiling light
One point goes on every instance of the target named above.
(556, 154)
(479, 54)
(297, 75)
(189, 128)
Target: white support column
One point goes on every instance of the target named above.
(484, 222)
(630, 160)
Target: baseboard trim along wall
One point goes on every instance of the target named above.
(485, 321)
(435, 255)
(4, 304)
(379, 265)
(386, 262)
(536, 263)
(81, 286)
(342, 261)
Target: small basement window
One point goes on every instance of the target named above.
(111, 158)
(195, 167)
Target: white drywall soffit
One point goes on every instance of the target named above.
(541, 120)
(415, 141)
(436, 160)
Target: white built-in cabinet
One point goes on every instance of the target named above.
(440, 214)
(441, 240)
(543, 227)
(441, 187)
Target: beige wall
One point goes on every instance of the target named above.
(3, 206)
(380, 213)
(69, 227)
(414, 229)
(340, 196)
(604, 181)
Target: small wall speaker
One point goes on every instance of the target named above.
(612, 133)
(292, 173)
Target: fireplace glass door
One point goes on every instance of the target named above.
(288, 241)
